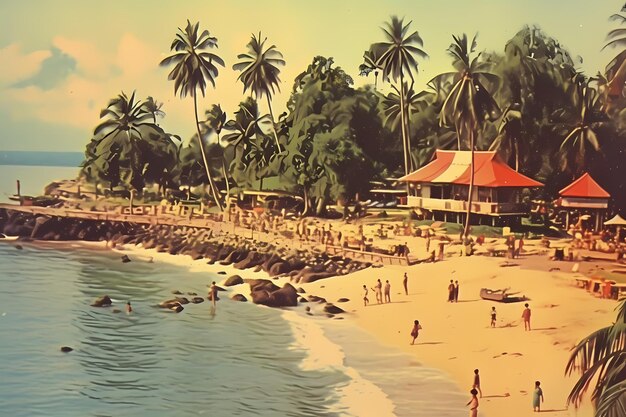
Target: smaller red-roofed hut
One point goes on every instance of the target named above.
(583, 197)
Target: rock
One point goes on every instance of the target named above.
(169, 303)
(182, 300)
(261, 284)
(116, 311)
(279, 268)
(125, 259)
(239, 297)
(333, 309)
(233, 280)
(197, 300)
(103, 301)
(19, 247)
(303, 300)
(343, 300)
(330, 316)
(176, 292)
(284, 297)
(66, 349)
(252, 259)
(300, 290)
(316, 299)
(192, 293)
(177, 308)
(307, 308)
(221, 273)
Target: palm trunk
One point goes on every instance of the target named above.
(214, 190)
(306, 209)
(403, 127)
(269, 105)
(516, 145)
(471, 187)
(375, 80)
(407, 121)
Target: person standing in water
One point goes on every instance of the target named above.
(473, 404)
(129, 308)
(213, 292)
(416, 331)
(537, 396)
(405, 282)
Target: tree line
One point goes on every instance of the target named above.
(529, 102)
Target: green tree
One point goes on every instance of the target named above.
(469, 102)
(397, 57)
(154, 108)
(194, 65)
(509, 133)
(600, 358)
(369, 65)
(260, 73)
(616, 69)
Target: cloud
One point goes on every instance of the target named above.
(18, 65)
(53, 70)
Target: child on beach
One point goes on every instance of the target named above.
(537, 395)
(526, 317)
(473, 404)
(476, 384)
(493, 317)
(365, 299)
(416, 330)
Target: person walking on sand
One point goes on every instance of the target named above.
(473, 404)
(537, 395)
(365, 293)
(476, 384)
(378, 291)
(405, 282)
(493, 317)
(451, 291)
(456, 291)
(416, 331)
(213, 292)
(387, 291)
(526, 317)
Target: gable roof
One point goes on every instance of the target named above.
(453, 167)
(584, 187)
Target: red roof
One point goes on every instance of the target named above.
(453, 167)
(585, 187)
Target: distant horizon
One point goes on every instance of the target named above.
(70, 159)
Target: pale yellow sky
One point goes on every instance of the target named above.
(62, 60)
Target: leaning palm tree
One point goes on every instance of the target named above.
(194, 65)
(600, 358)
(397, 57)
(260, 73)
(469, 103)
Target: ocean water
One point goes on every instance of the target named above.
(33, 179)
(238, 360)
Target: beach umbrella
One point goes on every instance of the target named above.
(615, 221)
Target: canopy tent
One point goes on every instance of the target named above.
(584, 195)
(453, 167)
(615, 221)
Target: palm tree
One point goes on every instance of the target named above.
(616, 70)
(397, 57)
(469, 103)
(123, 118)
(259, 73)
(194, 65)
(154, 108)
(370, 65)
(215, 121)
(587, 119)
(601, 357)
(509, 132)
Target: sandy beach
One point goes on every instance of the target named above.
(457, 337)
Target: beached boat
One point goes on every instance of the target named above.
(502, 296)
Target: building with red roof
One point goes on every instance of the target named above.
(584, 197)
(442, 186)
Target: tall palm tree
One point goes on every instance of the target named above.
(587, 119)
(600, 358)
(397, 57)
(154, 108)
(123, 117)
(469, 103)
(194, 65)
(616, 69)
(260, 73)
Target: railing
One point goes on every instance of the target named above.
(368, 256)
(460, 206)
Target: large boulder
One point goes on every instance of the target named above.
(285, 297)
(233, 280)
(239, 297)
(104, 301)
(261, 284)
(333, 309)
(251, 260)
(279, 268)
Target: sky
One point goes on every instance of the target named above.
(62, 60)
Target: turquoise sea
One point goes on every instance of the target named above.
(237, 360)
